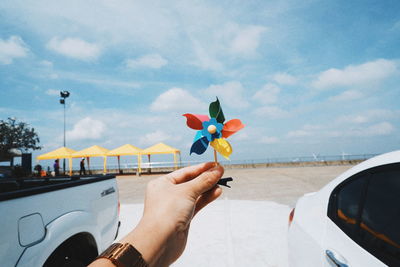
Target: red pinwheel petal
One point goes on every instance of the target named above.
(231, 127)
(195, 121)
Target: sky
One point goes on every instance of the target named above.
(305, 77)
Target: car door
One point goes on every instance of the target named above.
(364, 220)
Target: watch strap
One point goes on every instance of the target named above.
(123, 255)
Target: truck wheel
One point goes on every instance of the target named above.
(73, 263)
(77, 251)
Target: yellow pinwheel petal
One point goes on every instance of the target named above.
(222, 146)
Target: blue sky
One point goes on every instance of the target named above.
(304, 76)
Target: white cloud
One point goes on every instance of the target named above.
(154, 61)
(352, 119)
(299, 133)
(46, 63)
(379, 129)
(345, 126)
(271, 112)
(383, 128)
(176, 99)
(351, 75)
(347, 96)
(154, 138)
(247, 40)
(102, 81)
(53, 92)
(381, 114)
(230, 93)
(396, 26)
(204, 58)
(307, 130)
(269, 140)
(284, 78)
(87, 129)
(372, 115)
(105, 82)
(75, 48)
(268, 94)
(190, 33)
(240, 136)
(50, 146)
(12, 48)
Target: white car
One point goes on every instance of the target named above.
(352, 221)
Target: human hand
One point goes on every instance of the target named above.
(171, 201)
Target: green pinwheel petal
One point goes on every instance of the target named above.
(216, 111)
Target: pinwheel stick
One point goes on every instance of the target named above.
(222, 181)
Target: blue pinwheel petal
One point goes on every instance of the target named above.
(212, 121)
(200, 146)
(198, 135)
(219, 126)
(217, 134)
(206, 134)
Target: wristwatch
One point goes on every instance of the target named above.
(123, 255)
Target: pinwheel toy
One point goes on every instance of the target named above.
(212, 131)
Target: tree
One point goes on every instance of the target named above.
(16, 136)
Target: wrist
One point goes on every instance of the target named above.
(149, 239)
(121, 255)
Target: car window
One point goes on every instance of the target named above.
(348, 202)
(367, 208)
(380, 220)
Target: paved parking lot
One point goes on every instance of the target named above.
(247, 225)
(283, 185)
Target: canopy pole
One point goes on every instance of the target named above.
(139, 160)
(175, 162)
(119, 167)
(88, 165)
(149, 168)
(105, 165)
(70, 166)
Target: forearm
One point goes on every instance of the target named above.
(148, 238)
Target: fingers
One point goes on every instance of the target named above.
(205, 181)
(207, 198)
(188, 173)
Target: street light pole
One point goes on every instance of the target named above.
(64, 140)
(64, 126)
(64, 95)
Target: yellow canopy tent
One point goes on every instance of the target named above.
(93, 151)
(162, 148)
(127, 150)
(60, 153)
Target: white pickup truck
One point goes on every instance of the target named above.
(57, 221)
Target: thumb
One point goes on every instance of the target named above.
(205, 181)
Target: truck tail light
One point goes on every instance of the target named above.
(291, 215)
